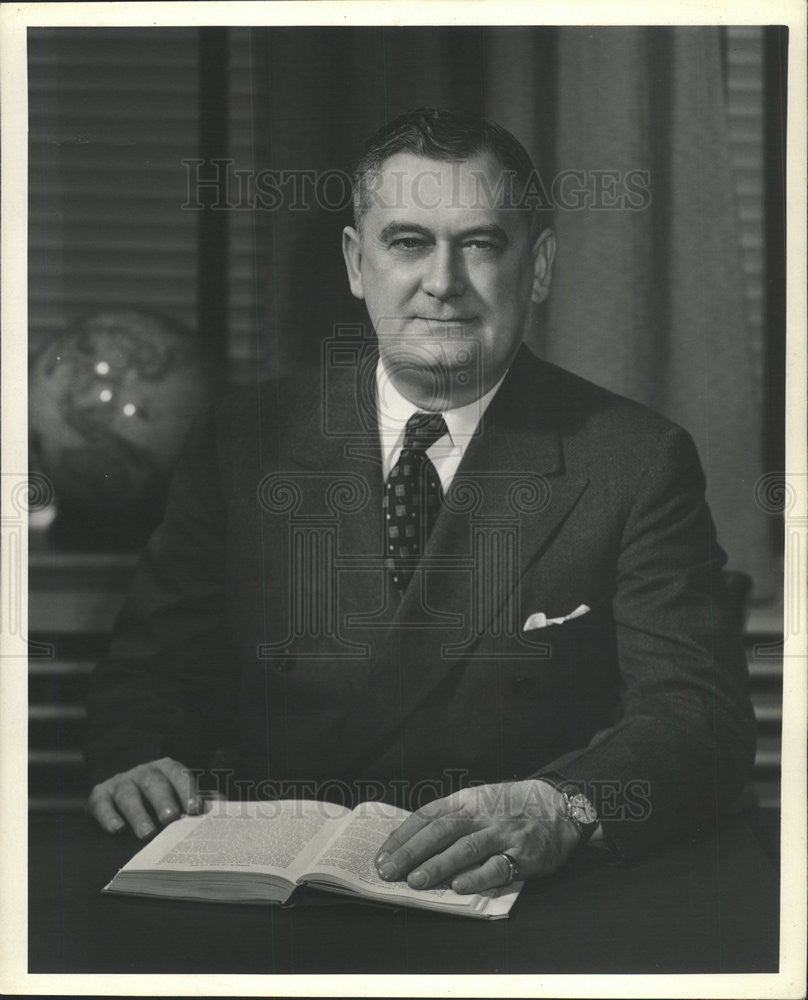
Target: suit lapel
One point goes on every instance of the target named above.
(510, 494)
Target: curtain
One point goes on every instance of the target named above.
(647, 300)
(651, 303)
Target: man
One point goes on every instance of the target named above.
(438, 557)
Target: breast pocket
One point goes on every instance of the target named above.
(566, 656)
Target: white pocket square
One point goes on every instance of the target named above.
(540, 620)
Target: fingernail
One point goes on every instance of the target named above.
(169, 812)
(418, 878)
(145, 830)
(116, 826)
(388, 870)
(192, 805)
(460, 885)
(381, 858)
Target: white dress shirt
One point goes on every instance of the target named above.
(394, 410)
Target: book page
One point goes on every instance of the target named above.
(350, 856)
(276, 837)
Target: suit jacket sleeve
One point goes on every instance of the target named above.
(166, 687)
(683, 742)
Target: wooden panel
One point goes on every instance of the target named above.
(73, 600)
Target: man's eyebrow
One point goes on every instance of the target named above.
(393, 229)
(396, 228)
(485, 229)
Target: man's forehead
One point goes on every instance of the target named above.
(479, 186)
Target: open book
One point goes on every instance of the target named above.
(261, 852)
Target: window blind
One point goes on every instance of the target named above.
(745, 113)
(112, 113)
(249, 354)
(746, 116)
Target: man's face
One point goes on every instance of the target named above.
(447, 274)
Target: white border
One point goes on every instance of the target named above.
(14, 19)
(415, 12)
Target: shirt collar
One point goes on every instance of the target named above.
(394, 410)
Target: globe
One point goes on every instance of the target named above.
(111, 401)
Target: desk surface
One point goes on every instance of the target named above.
(707, 905)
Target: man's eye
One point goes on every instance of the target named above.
(407, 243)
(481, 245)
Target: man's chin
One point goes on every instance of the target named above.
(436, 376)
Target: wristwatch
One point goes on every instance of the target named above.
(578, 808)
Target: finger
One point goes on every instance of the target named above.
(411, 825)
(426, 843)
(100, 807)
(160, 795)
(129, 803)
(491, 874)
(183, 782)
(465, 852)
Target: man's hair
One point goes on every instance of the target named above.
(439, 134)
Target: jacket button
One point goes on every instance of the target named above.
(523, 685)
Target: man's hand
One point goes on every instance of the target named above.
(464, 832)
(163, 788)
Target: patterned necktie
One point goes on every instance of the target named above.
(412, 497)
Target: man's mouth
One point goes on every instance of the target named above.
(446, 320)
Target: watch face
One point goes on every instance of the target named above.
(582, 810)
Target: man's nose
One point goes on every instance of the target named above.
(444, 276)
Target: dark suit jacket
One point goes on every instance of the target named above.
(260, 617)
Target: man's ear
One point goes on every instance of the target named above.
(543, 254)
(352, 252)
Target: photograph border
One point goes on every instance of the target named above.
(14, 20)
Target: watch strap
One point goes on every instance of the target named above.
(571, 791)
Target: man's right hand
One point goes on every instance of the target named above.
(163, 789)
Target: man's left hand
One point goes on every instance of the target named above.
(459, 837)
